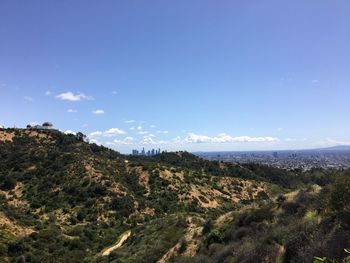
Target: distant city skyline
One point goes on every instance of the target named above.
(144, 152)
(184, 75)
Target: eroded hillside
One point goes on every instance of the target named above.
(64, 200)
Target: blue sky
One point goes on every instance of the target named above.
(180, 75)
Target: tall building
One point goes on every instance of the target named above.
(143, 152)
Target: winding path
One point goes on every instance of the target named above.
(121, 241)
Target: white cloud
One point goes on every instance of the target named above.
(71, 111)
(98, 112)
(164, 132)
(152, 126)
(95, 141)
(70, 96)
(330, 141)
(279, 129)
(176, 139)
(130, 121)
(195, 138)
(95, 134)
(139, 128)
(132, 128)
(126, 140)
(151, 140)
(142, 132)
(33, 123)
(224, 138)
(113, 132)
(69, 132)
(28, 98)
(290, 139)
(148, 140)
(108, 133)
(48, 93)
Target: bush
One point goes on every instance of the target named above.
(207, 227)
(183, 245)
(7, 182)
(340, 194)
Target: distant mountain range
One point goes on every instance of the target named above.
(338, 148)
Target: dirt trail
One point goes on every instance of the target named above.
(121, 241)
(192, 237)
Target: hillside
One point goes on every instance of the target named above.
(64, 200)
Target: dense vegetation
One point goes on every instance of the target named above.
(64, 200)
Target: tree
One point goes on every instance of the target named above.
(80, 136)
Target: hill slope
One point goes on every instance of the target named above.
(64, 200)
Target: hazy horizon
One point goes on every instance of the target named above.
(184, 75)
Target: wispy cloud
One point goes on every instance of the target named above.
(96, 134)
(290, 139)
(28, 98)
(71, 111)
(147, 140)
(125, 141)
(130, 121)
(48, 93)
(98, 112)
(224, 138)
(164, 132)
(152, 126)
(331, 142)
(70, 96)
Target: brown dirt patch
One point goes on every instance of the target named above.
(12, 227)
(6, 136)
(144, 179)
(14, 196)
(195, 193)
(166, 174)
